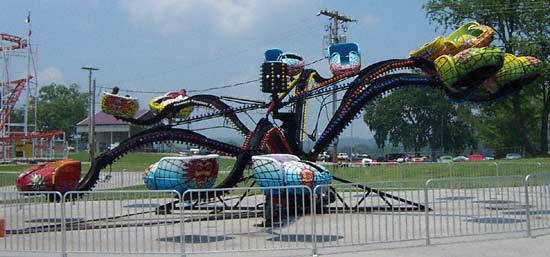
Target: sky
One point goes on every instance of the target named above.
(165, 45)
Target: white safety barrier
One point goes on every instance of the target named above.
(474, 206)
(122, 222)
(31, 222)
(270, 218)
(356, 214)
(279, 218)
(537, 204)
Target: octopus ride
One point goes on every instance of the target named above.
(462, 65)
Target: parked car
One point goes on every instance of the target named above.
(488, 158)
(392, 157)
(324, 157)
(475, 157)
(418, 159)
(512, 156)
(367, 162)
(343, 157)
(358, 157)
(446, 159)
(460, 158)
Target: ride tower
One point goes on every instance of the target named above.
(19, 135)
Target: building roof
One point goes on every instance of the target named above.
(102, 118)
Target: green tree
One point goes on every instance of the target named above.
(61, 107)
(522, 27)
(417, 118)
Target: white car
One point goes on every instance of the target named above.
(512, 156)
(460, 158)
(366, 162)
(343, 157)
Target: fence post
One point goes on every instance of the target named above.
(427, 211)
(496, 165)
(314, 222)
(63, 226)
(182, 222)
(527, 209)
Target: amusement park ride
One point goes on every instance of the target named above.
(462, 65)
(21, 139)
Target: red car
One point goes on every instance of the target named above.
(475, 157)
(61, 176)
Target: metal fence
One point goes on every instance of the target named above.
(121, 222)
(537, 188)
(248, 219)
(279, 218)
(32, 223)
(475, 206)
(358, 214)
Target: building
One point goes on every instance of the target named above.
(110, 131)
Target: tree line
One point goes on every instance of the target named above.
(418, 118)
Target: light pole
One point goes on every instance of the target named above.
(91, 120)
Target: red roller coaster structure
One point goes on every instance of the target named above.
(20, 139)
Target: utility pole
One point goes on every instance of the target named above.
(91, 113)
(337, 22)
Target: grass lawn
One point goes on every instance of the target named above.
(137, 162)
(8, 179)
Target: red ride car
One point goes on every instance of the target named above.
(61, 176)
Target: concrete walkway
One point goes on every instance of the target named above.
(513, 247)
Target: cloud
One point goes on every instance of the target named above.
(225, 16)
(51, 75)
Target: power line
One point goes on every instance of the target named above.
(206, 89)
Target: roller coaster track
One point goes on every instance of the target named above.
(18, 42)
(9, 105)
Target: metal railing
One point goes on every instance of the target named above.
(537, 197)
(271, 218)
(121, 222)
(357, 214)
(278, 218)
(31, 222)
(474, 206)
